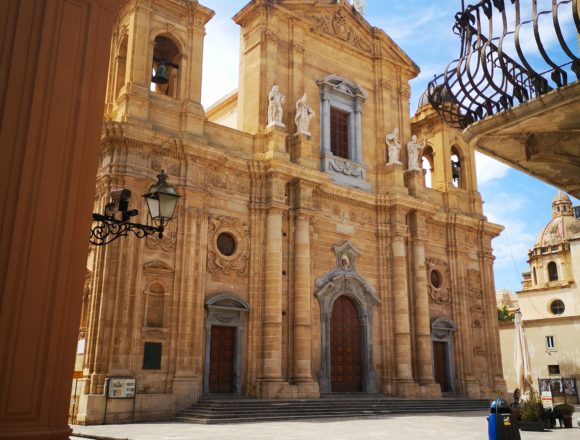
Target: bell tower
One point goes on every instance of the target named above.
(155, 68)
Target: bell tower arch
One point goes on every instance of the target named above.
(156, 64)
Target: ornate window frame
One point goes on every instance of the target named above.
(344, 280)
(348, 97)
(226, 309)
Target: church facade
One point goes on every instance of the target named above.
(317, 246)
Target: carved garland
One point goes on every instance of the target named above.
(237, 262)
(438, 281)
(474, 284)
(339, 27)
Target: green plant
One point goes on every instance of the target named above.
(531, 409)
(563, 409)
(503, 315)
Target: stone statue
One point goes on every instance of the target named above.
(304, 114)
(394, 146)
(275, 101)
(359, 6)
(414, 150)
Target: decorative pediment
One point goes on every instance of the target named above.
(344, 279)
(343, 86)
(341, 25)
(157, 266)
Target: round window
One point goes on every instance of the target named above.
(226, 244)
(435, 278)
(557, 307)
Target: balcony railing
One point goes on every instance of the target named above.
(511, 52)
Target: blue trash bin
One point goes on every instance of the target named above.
(502, 424)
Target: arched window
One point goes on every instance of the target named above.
(121, 73)
(428, 164)
(456, 168)
(165, 68)
(534, 277)
(552, 271)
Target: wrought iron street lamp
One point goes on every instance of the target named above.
(161, 201)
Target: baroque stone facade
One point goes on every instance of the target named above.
(281, 238)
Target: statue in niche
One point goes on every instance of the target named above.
(275, 101)
(413, 151)
(304, 114)
(359, 6)
(394, 146)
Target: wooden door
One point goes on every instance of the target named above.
(441, 362)
(222, 355)
(345, 347)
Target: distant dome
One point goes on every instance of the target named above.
(563, 225)
(440, 94)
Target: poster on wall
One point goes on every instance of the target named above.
(121, 388)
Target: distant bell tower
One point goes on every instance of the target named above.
(156, 65)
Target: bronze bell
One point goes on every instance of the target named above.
(160, 74)
(455, 170)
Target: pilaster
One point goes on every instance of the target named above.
(424, 349)
(404, 382)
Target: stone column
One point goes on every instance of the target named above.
(405, 385)
(424, 348)
(50, 126)
(302, 301)
(358, 133)
(325, 123)
(272, 324)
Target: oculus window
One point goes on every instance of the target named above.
(557, 307)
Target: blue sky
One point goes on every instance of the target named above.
(422, 28)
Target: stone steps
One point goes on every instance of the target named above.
(217, 410)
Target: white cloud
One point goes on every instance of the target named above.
(489, 169)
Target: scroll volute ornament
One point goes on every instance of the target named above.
(228, 246)
(438, 281)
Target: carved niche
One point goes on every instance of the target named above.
(228, 246)
(438, 281)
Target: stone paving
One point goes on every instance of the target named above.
(464, 426)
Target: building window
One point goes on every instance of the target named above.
(552, 271)
(427, 163)
(553, 369)
(550, 344)
(534, 276)
(152, 355)
(226, 244)
(456, 164)
(557, 307)
(339, 133)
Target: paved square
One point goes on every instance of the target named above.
(465, 426)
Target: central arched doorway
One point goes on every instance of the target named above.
(345, 347)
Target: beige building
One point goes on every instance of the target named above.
(308, 255)
(549, 301)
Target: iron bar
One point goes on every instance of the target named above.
(506, 59)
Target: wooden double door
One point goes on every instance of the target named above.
(345, 347)
(222, 359)
(441, 364)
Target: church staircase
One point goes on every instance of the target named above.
(221, 409)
